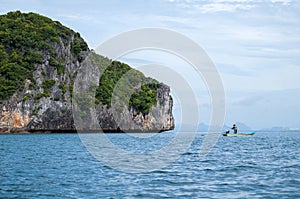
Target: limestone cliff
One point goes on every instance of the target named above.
(39, 66)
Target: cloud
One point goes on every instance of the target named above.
(285, 2)
(223, 7)
(248, 101)
(214, 6)
(265, 108)
(233, 70)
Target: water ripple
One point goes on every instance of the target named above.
(58, 166)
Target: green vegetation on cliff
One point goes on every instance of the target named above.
(141, 99)
(24, 39)
(29, 39)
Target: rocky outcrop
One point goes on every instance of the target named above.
(48, 115)
(160, 118)
(34, 108)
(46, 101)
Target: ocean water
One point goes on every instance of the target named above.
(266, 165)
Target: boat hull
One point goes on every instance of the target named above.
(238, 134)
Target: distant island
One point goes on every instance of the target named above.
(39, 61)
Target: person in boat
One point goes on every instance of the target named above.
(235, 129)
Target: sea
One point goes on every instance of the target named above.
(266, 165)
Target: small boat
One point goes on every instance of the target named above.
(238, 134)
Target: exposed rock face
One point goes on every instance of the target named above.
(30, 110)
(46, 104)
(51, 115)
(160, 118)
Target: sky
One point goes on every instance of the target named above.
(254, 44)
